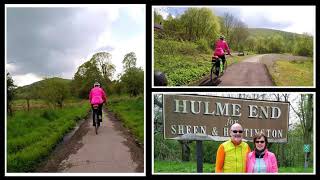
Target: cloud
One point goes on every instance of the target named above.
(55, 41)
(22, 80)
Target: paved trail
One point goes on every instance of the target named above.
(249, 72)
(112, 150)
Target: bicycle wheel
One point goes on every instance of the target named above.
(225, 65)
(96, 126)
(95, 119)
(213, 71)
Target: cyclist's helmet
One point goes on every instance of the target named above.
(160, 79)
(96, 84)
(221, 37)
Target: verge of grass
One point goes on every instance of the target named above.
(180, 167)
(293, 73)
(191, 167)
(130, 110)
(31, 136)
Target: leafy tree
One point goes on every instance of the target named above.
(55, 91)
(157, 17)
(200, 23)
(304, 46)
(10, 93)
(84, 78)
(129, 61)
(103, 60)
(133, 80)
(276, 44)
(251, 43)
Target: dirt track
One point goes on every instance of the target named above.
(113, 150)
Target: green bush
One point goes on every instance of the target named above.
(203, 46)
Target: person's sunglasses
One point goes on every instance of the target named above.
(260, 142)
(235, 131)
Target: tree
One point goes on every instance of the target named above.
(228, 23)
(251, 43)
(83, 80)
(129, 61)
(133, 80)
(10, 93)
(200, 23)
(103, 60)
(239, 35)
(157, 18)
(276, 44)
(55, 91)
(305, 115)
(304, 46)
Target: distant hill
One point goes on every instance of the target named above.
(264, 32)
(22, 91)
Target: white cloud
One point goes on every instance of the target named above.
(137, 14)
(163, 12)
(11, 68)
(22, 80)
(301, 18)
(136, 44)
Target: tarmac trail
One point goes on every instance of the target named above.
(249, 72)
(113, 150)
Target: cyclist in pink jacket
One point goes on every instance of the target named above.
(261, 160)
(220, 46)
(97, 96)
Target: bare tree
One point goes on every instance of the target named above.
(228, 24)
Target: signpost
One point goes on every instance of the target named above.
(306, 150)
(199, 118)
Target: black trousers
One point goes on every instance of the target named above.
(99, 113)
(223, 58)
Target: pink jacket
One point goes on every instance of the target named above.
(97, 96)
(221, 45)
(269, 158)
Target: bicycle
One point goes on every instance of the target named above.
(95, 117)
(217, 69)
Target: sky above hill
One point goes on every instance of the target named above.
(297, 19)
(54, 41)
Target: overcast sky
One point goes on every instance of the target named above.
(45, 42)
(298, 19)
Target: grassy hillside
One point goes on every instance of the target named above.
(24, 90)
(264, 32)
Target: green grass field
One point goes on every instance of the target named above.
(131, 111)
(31, 136)
(191, 167)
(293, 73)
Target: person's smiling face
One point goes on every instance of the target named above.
(260, 143)
(236, 132)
